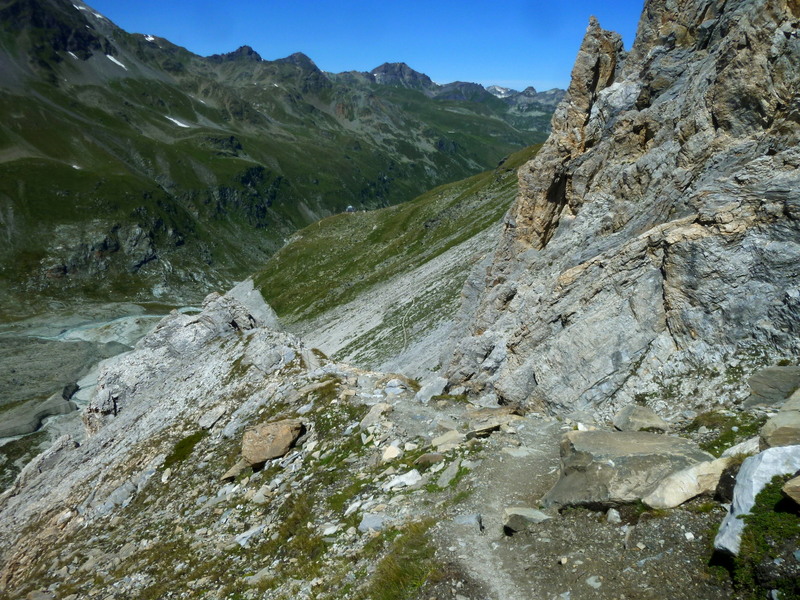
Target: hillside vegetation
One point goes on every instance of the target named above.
(131, 168)
(340, 257)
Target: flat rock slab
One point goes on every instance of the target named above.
(602, 469)
(448, 441)
(756, 472)
(270, 440)
(375, 414)
(771, 386)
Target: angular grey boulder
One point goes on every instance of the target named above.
(602, 469)
(756, 472)
(639, 418)
(784, 428)
(520, 518)
(771, 386)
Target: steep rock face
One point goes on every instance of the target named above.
(652, 252)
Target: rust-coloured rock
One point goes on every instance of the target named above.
(270, 440)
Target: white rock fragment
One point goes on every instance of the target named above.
(595, 582)
(406, 480)
(391, 453)
(353, 508)
(177, 122)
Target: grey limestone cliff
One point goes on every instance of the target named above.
(652, 253)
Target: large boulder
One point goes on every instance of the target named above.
(756, 472)
(601, 469)
(771, 386)
(784, 428)
(270, 440)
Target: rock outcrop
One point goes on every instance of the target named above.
(666, 200)
(606, 469)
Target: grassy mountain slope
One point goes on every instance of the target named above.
(130, 167)
(368, 286)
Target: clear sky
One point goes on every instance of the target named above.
(513, 43)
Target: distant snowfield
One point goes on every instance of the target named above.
(150, 38)
(96, 14)
(178, 123)
(115, 61)
(72, 54)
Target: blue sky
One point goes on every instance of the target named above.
(514, 43)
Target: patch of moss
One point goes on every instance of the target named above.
(771, 533)
(731, 429)
(407, 566)
(184, 448)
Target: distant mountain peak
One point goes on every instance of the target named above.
(400, 74)
(501, 92)
(301, 60)
(242, 53)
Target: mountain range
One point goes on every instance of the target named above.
(130, 167)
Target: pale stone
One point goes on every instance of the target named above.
(792, 489)
(405, 480)
(372, 521)
(746, 448)
(375, 415)
(209, 419)
(448, 441)
(448, 474)
(430, 389)
(390, 453)
(783, 429)
(683, 485)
